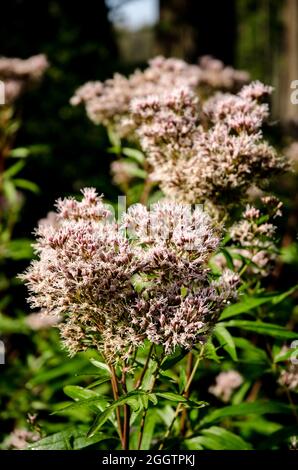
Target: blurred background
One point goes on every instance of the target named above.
(91, 40)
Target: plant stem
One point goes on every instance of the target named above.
(140, 379)
(190, 358)
(142, 425)
(115, 389)
(126, 427)
(180, 405)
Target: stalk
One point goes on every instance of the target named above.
(126, 427)
(143, 421)
(184, 412)
(180, 405)
(115, 390)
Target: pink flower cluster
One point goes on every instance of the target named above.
(226, 384)
(212, 152)
(18, 74)
(108, 103)
(115, 285)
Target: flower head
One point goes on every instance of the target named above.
(215, 152)
(115, 285)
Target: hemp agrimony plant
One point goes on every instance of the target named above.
(149, 297)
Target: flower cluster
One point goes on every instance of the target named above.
(289, 377)
(215, 152)
(19, 439)
(19, 74)
(115, 285)
(108, 103)
(254, 236)
(215, 76)
(225, 384)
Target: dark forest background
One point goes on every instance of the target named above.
(82, 44)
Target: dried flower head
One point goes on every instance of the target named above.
(115, 285)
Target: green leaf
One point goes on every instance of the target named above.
(56, 372)
(20, 152)
(135, 154)
(13, 170)
(282, 357)
(20, 248)
(248, 303)
(136, 172)
(243, 409)
(114, 139)
(182, 379)
(183, 291)
(226, 340)
(148, 430)
(282, 435)
(254, 354)
(216, 438)
(181, 399)
(131, 398)
(25, 184)
(210, 352)
(229, 258)
(99, 382)
(276, 331)
(171, 360)
(10, 325)
(100, 365)
(79, 393)
(71, 439)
